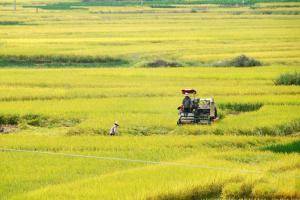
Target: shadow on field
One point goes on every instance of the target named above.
(292, 147)
(60, 61)
(212, 191)
(241, 107)
(234, 188)
(11, 122)
(12, 23)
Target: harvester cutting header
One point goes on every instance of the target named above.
(196, 110)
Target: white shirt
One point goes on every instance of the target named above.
(113, 130)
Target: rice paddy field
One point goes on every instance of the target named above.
(70, 69)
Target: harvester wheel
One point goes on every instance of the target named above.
(179, 122)
(209, 121)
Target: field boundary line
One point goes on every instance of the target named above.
(143, 161)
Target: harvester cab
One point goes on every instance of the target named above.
(196, 110)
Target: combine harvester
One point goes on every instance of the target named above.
(196, 110)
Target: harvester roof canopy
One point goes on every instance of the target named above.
(188, 91)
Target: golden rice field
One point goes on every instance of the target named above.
(58, 116)
(144, 101)
(212, 34)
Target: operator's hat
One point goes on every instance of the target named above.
(116, 123)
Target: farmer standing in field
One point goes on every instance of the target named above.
(114, 129)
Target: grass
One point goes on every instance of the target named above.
(239, 61)
(288, 79)
(163, 63)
